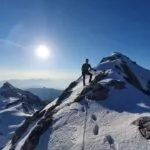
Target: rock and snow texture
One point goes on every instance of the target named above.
(99, 116)
(15, 106)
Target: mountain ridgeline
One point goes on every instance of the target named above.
(46, 94)
(7, 91)
(107, 114)
(15, 106)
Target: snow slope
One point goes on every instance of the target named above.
(97, 117)
(15, 106)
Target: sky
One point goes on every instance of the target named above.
(73, 30)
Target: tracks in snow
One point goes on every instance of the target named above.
(110, 141)
(84, 126)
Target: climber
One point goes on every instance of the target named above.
(86, 67)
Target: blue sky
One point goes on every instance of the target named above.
(73, 30)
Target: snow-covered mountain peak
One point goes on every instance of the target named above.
(9, 91)
(7, 85)
(15, 106)
(116, 56)
(98, 116)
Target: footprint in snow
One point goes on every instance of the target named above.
(111, 142)
(83, 109)
(96, 130)
(94, 117)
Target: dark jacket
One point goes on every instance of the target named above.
(86, 67)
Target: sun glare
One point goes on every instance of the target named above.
(43, 52)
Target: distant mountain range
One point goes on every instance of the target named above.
(48, 94)
(15, 106)
(37, 83)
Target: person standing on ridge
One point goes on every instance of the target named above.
(86, 67)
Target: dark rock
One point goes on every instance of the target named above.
(98, 95)
(94, 89)
(33, 139)
(67, 92)
(118, 68)
(99, 77)
(131, 77)
(144, 126)
(141, 120)
(111, 58)
(25, 125)
(86, 89)
(13, 103)
(98, 87)
(148, 85)
(94, 92)
(134, 62)
(117, 84)
(63, 96)
(71, 86)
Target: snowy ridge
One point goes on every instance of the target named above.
(15, 106)
(97, 117)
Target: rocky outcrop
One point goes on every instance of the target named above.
(119, 85)
(131, 77)
(111, 58)
(144, 126)
(24, 126)
(98, 92)
(67, 92)
(99, 77)
(148, 86)
(94, 92)
(34, 136)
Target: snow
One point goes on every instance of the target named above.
(114, 122)
(11, 117)
(25, 136)
(98, 125)
(111, 129)
(8, 124)
(68, 129)
(12, 99)
(142, 74)
(50, 105)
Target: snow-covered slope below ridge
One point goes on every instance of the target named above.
(15, 106)
(96, 117)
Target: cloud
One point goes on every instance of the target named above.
(44, 74)
(7, 42)
(28, 78)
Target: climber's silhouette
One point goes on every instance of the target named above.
(86, 67)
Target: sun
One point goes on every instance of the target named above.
(43, 52)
